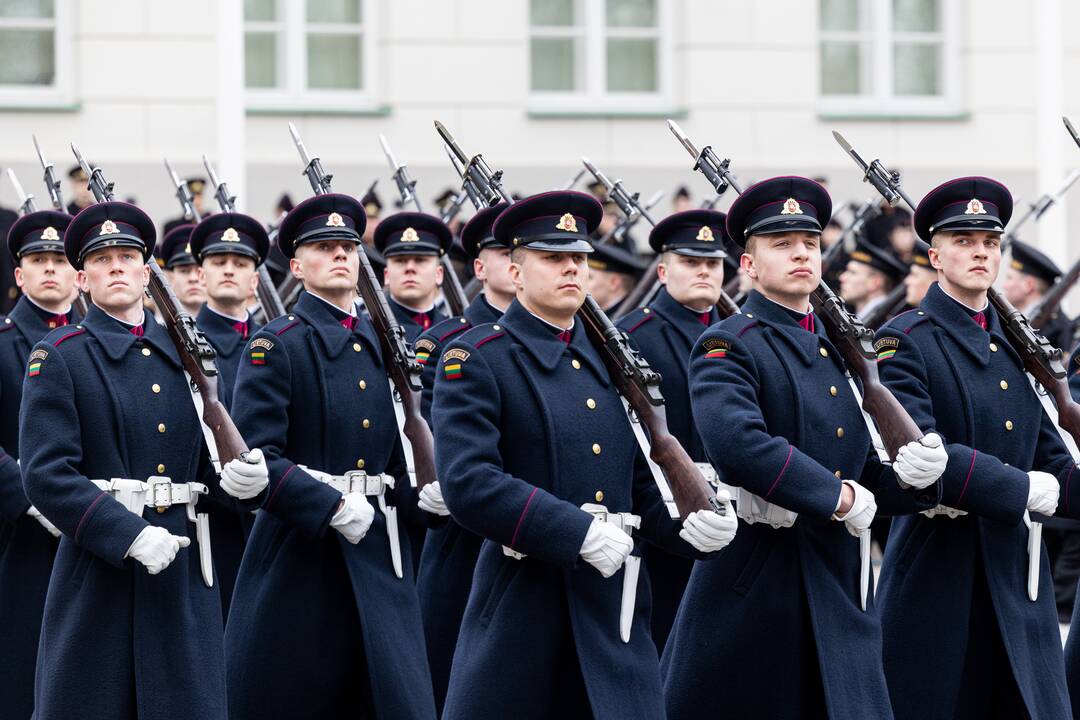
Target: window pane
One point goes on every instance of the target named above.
(631, 13)
(547, 13)
(26, 57)
(333, 11)
(840, 14)
(915, 69)
(334, 62)
(840, 65)
(552, 63)
(631, 66)
(915, 16)
(26, 8)
(260, 10)
(260, 60)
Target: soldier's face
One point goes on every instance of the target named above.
(327, 266)
(1017, 287)
(785, 265)
(606, 287)
(229, 278)
(493, 269)
(413, 279)
(551, 283)
(115, 278)
(917, 282)
(859, 282)
(693, 281)
(187, 283)
(46, 277)
(967, 259)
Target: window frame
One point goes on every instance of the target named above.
(60, 94)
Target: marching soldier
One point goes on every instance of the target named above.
(27, 539)
(962, 638)
(450, 551)
(412, 244)
(1029, 275)
(869, 277)
(132, 624)
(538, 458)
(182, 269)
(921, 275)
(613, 272)
(692, 271)
(325, 620)
(782, 624)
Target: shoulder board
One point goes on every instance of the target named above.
(6, 323)
(448, 328)
(738, 324)
(905, 321)
(59, 335)
(636, 319)
(277, 326)
(482, 334)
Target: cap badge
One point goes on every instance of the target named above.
(371, 209)
(108, 228)
(705, 234)
(334, 220)
(567, 223)
(50, 233)
(791, 207)
(187, 248)
(410, 235)
(975, 207)
(230, 235)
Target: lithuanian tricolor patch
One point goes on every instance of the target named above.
(886, 347)
(35, 369)
(452, 362)
(423, 350)
(715, 348)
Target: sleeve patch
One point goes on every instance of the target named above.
(37, 357)
(715, 348)
(259, 347)
(886, 347)
(423, 348)
(452, 362)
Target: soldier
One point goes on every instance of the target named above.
(779, 421)
(81, 196)
(692, 272)
(182, 269)
(921, 275)
(322, 623)
(538, 458)
(446, 568)
(119, 484)
(195, 186)
(613, 272)
(412, 244)
(962, 638)
(869, 277)
(9, 291)
(27, 540)
(372, 209)
(1027, 278)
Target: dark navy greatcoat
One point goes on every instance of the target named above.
(228, 530)
(26, 548)
(953, 593)
(446, 568)
(527, 429)
(320, 627)
(773, 626)
(664, 333)
(117, 642)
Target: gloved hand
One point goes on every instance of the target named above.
(244, 480)
(36, 514)
(353, 519)
(921, 462)
(431, 499)
(606, 547)
(708, 531)
(862, 511)
(1043, 492)
(156, 548)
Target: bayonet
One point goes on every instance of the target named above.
(26, 202)
(488, 183)
(52, 184)
(712, 167)
(183, 195)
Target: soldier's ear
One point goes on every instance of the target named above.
(296, 268)
(746, 262)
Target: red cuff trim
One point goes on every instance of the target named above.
(86, 514)
(968, 478)
(278, 486)
(521, 519)
(787, 462)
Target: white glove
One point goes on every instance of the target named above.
(156, 548)
(921, 462)
(862, 511)
(431, 499)
(36, 514)
(606, 547)
(1043, 492)
(244, 480)
(708, 531)
(354, 518)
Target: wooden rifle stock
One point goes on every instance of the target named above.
(893, 303)
(1048, 306)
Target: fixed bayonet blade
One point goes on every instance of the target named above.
(81, 160)
(23, 197)
(454, 160)
(843, 143)
(388, 152)
(40, 156)
(681, 136)
(448, 139)
(172, 173)
(210, 172)
(597, 174)
(1072, 130)
(299, 144)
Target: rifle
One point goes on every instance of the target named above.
(889, 306)
(1037, 209)
(26, 201)
(626, 222)
(196, 353)
(269, 300)
(401, 364)
(452, 290)
(51, 183)
(637, 383)
(845, 244)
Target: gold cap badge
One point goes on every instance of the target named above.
(791, 207)
(108, 228)
(410, 235)
(975, 207)
(334, 220)
(705, 234)
(230, 235)
(567, 223)
(50, 233)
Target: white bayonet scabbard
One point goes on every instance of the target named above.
(631, 571)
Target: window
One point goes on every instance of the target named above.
(308, 53)
(585, 54)
(894, 57)
(35, 52)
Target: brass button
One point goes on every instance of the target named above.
(749, 315)
(161, 427)
(146, 352)
(823, 352)
(838, 474)
(920, 313)
(360, 464)
(161, 510)
(839, 432)
(161, 468)
(356, 347)
(595, 449)
(832, 390)
(1008, 425)
(366, 423)
(496, 328)
(599, 496)
(591, 404)
(993, 347)
(646, 311)
(156, 388)
(1004, 385)
(576, 365)
(363, 384)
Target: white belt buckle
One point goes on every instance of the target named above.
(159, 492)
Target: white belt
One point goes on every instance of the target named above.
(161, 493)
(627, 522)
(951, 513)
